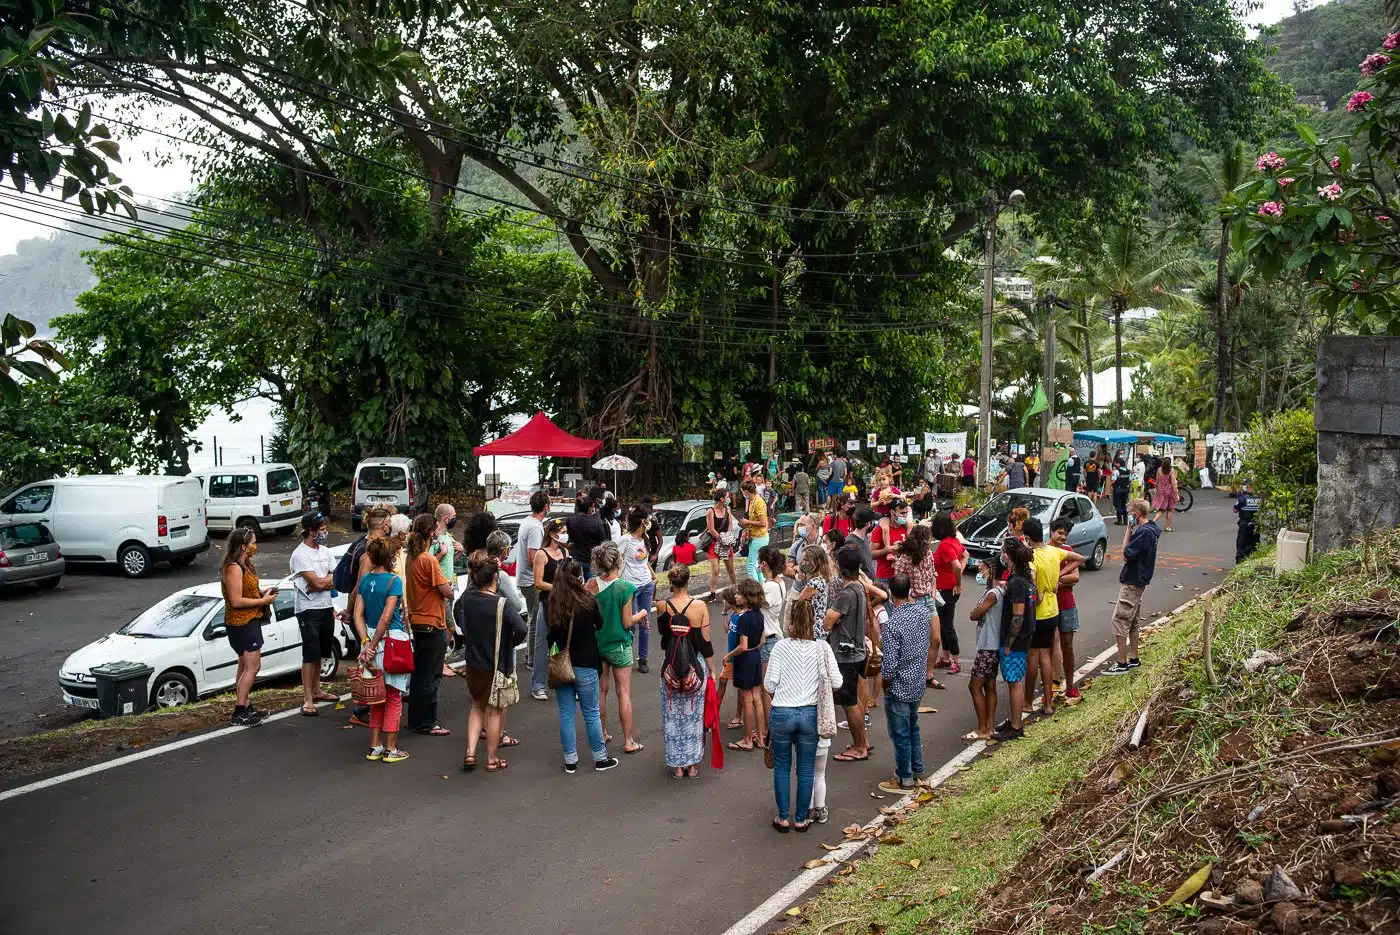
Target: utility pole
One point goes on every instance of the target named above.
(1048, 416)
(984, 416)
(1118, 356)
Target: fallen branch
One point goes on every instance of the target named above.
(1140, 729)
(1113, 861)
(1205, 642)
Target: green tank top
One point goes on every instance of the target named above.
(612, 600)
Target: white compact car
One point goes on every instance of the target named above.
(184, 640)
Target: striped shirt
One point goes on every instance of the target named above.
(794, 672)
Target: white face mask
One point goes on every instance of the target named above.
(562, 538)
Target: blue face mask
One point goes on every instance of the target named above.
(982, 578)
(321, 537)
(802, 533)
(902, 520)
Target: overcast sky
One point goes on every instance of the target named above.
(141, 172)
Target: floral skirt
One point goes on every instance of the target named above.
(683, 723)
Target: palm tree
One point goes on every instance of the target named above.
(1131, 268)
(1215, 177)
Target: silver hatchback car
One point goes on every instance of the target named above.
(28, 553)
(982, 532)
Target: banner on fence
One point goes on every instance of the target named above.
(870, 440)
(767, 443)
(945, 443)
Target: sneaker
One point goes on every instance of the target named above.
(395, 756)
(820, 815)
(571, 768)
(1010, 733)
(843, 725)
(897, 786)
(1073, 693)
(1134, 663)
(246, 719)
(1118, 668)
(642, 666)
(602, 766)
(539, 694)
(375, 754)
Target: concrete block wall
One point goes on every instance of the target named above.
(1357, 414)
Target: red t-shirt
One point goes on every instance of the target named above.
(1065, 597)
(840, 520)
(884, 565)
(948, 552)
(969, 467)
(684, 553)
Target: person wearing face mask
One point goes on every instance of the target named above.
(246, 605)
(804, 534)
(888, 533)
(311, 566)
(445, 549)
(528, 541)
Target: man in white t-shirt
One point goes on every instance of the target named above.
(312, 566)
(528, 540)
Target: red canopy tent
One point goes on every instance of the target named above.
(541, 437)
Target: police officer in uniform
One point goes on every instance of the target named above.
(1247, 508)
(1122, 486)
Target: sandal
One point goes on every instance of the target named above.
(496, 765)
(325, 696)
(934, 683)
(469, 763)
(739, 745)
(847, 757)
(972, 735)
(801, 826)
(781, 826)
(635, 748)
(954, 668)
(448, 672)
(310, 711)
(437, 730)
(736, 724)
(508, 741)
(692, 772)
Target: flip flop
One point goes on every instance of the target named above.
(310, 712)
(972, 735)
(780, 827)
(934, 683)
(739, 745)
(849, 758)
(735, 725)
(636, 748)
(325, 696)
(437, 730)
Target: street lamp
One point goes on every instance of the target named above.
(992, 206)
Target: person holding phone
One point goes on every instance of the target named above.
(245, 607)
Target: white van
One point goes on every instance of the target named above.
(128, 519)
(261, 497)
(392, 482)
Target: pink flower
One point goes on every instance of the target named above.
(1335, 162)
(1330, 192)
(1374, 63)
(1268, 161)
(1355, 286)
(1391, 41)
(1285, 182)
(1383, 218)
(1359, 100)
(1271, 209)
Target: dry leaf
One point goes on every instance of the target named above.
(340, 706)
(924, 796)
(830, 847)
(816, 862)
(891, 840)
(850, 830)
(1190, 888)
(846, 871)
(794, 911)
(955, 835)
(915, 863)
(889, 810)
(925, 709)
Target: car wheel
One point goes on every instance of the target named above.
(1096, 560)
(48, 584)
(329, 666)
(134, 560)
(172, 690)
(247, 522)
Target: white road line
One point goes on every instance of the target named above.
(763, 915)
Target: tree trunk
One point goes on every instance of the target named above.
(1221, 300)
(1088, 355)
(1118, 304)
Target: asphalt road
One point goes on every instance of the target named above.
(286, 828)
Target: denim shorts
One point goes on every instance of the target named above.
(1069, 619)
(766, 649)
(1013, 667)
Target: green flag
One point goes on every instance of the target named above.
(1055, 479)
(1038, 404)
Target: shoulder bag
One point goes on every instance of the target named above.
(505, 689)
(826, 703)
(560, 670)
(366, 686)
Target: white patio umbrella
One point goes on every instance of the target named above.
(615, 463)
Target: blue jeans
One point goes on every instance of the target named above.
(789, 726)
(643, 599)
(584, 693)
(539, 675)
(902, 717)
(751, 565)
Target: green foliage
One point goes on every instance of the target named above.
(1316, 50)
(1327, 208)
(24, 357)
(51, 430)
(1280, 457)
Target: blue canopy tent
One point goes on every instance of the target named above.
(1125, 436)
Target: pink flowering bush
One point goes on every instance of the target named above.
(1359, 100)
(1334, 230)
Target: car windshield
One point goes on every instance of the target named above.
(173, 617)
(282, 480)
(1002, 504)
(671, 521)
(384, 477)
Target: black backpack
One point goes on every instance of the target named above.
(679, 671)
(347, 570)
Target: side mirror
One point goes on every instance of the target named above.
(215, 632)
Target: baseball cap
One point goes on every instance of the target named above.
(312, 519)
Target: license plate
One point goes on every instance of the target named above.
(286, 503)
(90, 703)
(383, 499)
(179, 533)
(33, 557)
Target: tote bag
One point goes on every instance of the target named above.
(505, 689)
(826, 704)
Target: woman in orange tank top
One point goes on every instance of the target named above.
(245, 606)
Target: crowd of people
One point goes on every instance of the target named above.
(862, 611)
